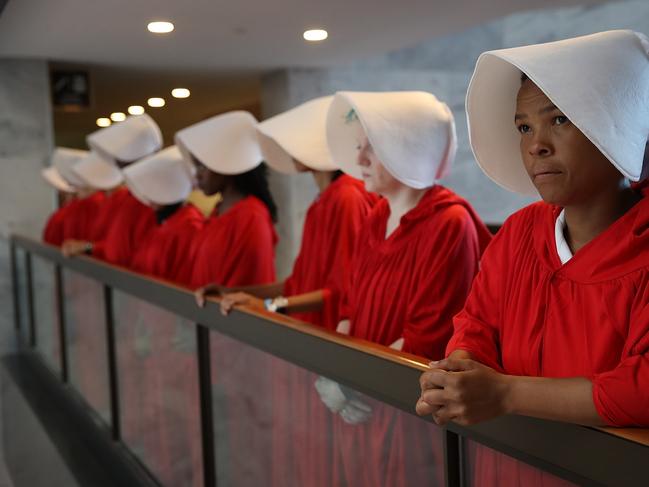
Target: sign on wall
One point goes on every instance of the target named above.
(70, 90)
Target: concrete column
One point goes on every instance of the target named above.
(293, 194)
(25, 144)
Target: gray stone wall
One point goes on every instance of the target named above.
(25, 199)
(442, 66)
(25, 143)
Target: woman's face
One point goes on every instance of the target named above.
(565, 167)
(376, 178)
(208, 181)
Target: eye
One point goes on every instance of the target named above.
(523, 129)
(559, 120)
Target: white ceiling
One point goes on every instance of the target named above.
(223, 35)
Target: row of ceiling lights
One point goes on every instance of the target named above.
(154, 102)
(159, 27)
(311, 35)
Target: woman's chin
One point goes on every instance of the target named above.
(552, 196)
(369, 187)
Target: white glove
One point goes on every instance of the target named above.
(184, 339)
(142, 343)
(330, 394)
(344, 327)
(356, 412)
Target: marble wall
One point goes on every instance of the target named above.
(442, 66)
(25, 199)
(25, 143)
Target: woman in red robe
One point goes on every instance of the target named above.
(61, 177)
(114, 147)
(235, 248)
(295, 141)
(163, 182)
(82, 217)
(557, 322)
(53, 231)
(120, 224)
(161, 359)
(416, 257)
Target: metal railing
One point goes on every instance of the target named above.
(586, 456)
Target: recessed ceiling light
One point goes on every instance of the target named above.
(117, 116)
(315, 35)
(160, 27)
(103, 122)
(136, 110)
(180, 93)
(156, 102)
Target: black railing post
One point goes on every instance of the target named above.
(30, 301)
(464, 465)
(14, 285)
(113, 377)
(207, 420)
(452, 461)
(60, 312)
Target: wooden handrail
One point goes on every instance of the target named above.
(573, 452)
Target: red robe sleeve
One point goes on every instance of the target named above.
(179, 245)
(184, 276)
(444, 278)
(106, 213)
(621, 395)
(349, 212)
(99, 250)
(79, 224)
(252, 256)
(342, 289)
(71, 223)
(53, 231)
(477, 326)
(176, 252)
(129, 227)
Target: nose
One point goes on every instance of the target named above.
(362, 159)
(541, 145)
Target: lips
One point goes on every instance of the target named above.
(545, 172)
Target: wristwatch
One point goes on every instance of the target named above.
(274, 305)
